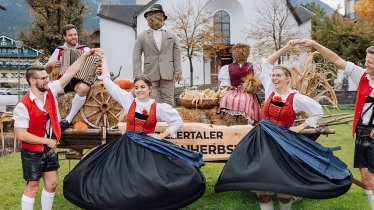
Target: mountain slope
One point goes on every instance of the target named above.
(323, 5)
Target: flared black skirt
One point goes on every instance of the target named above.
(284, 162)
(124, 174)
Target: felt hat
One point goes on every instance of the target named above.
(155, 7)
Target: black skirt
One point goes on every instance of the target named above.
(124, 174)
(262, 162)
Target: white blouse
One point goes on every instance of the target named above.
(224, 75)
(164, 112)
(355, 73)
(300, 102)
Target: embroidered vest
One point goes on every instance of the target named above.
(237, 73)
(139, 125)
(283, 115)
(363, 92)
(38, 120)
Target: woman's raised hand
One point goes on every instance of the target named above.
(292, 43)
(307, 42)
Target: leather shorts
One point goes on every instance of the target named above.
(363, 135)
(34, 164)
(364, 148)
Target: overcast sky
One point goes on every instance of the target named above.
(334, 4)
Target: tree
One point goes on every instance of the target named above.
(365, 10)
(272, 30)
(319, 13)
(347, 38)
(49, 18)
(194, 27)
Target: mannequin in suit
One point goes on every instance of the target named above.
(162, 56)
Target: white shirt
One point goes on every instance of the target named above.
(164, 112)
(54, 56)
(300, 102)
(355, 73)
(157, 35)
(21, 115)
(224, 75)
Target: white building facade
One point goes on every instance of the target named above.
(120, 25)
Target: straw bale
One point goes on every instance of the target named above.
(97, 96)
(209, 116)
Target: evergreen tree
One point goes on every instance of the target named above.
(348, 38)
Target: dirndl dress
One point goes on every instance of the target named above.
(136, 171)
(272, 158)
(237, 102)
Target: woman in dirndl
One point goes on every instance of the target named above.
(274, 158)
(237, 101)
(138, 170)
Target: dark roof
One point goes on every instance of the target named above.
(120, 13)
(303, 13)
(145, 7)
(300, 13)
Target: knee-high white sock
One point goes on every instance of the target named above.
(76, 105)
(369, 194)
(267, 206)
(47, 200)
(27, 203)
(285, 206)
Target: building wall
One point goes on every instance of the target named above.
(348, 8)
(117, 40)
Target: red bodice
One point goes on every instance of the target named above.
(281, 115)
(237, 73)
(140, 125)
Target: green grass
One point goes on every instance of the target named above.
(11, 184)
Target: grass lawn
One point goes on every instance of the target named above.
(11, 184)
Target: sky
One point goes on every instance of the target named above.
(334, 4)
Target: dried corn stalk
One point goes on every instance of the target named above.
(312, 79)
(251, 84)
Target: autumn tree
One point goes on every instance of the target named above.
(193, 25)
(273, 28)
(365, 10)
(49, 18)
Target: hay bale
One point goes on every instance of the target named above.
(64, 105)
(98, 94)
(209, 116)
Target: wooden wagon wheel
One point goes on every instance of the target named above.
(101, 109)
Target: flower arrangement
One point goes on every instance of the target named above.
(144, 112)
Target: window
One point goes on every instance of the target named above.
(222, 23)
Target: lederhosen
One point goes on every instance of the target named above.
(363, 131)
(364, 145)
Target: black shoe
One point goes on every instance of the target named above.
(64, 124)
